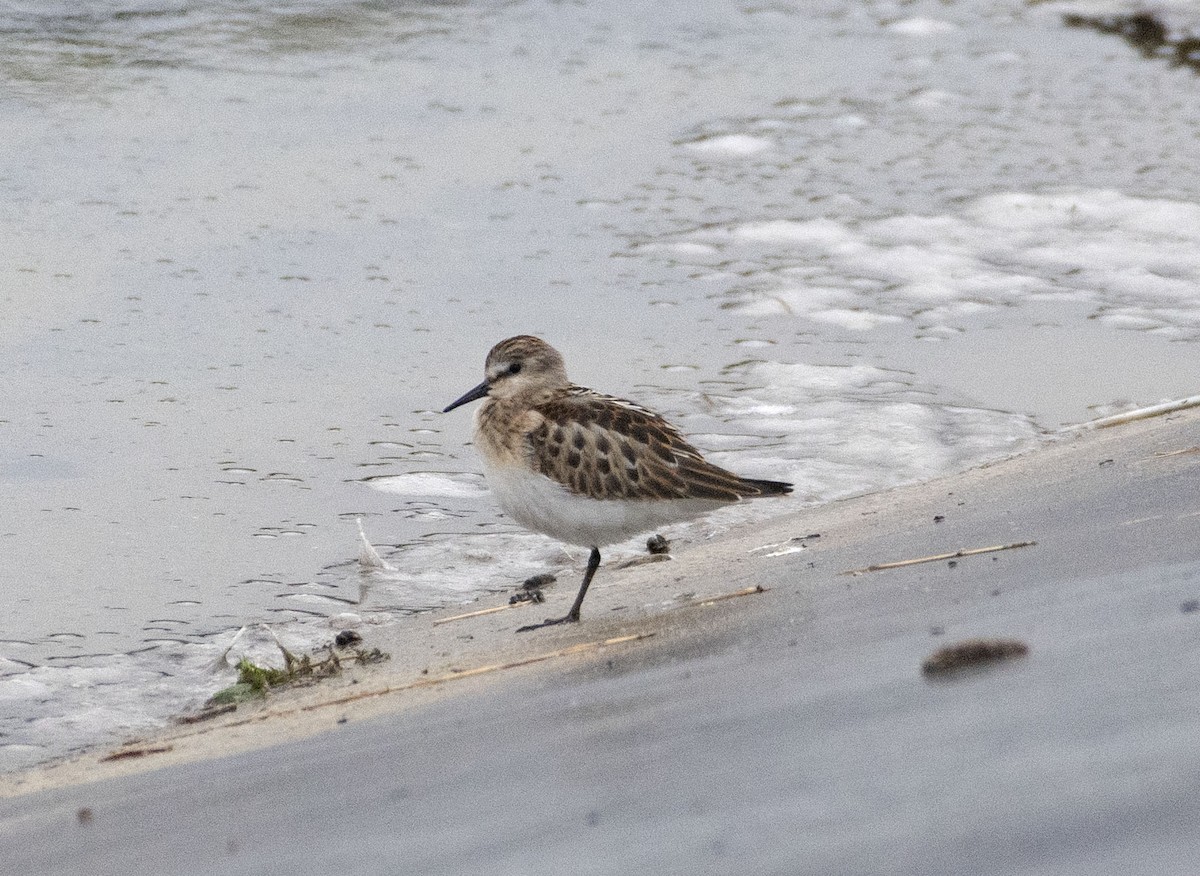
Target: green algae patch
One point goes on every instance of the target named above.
(235, 693)
(255, 681)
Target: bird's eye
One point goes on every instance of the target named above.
(514, 368)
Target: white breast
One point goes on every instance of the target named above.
(544, 505)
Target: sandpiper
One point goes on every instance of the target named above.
(586, 468)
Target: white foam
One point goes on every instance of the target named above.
(23, 687)
(934, 98)
(919, 27)
(1135, 260)
(815, 232)
(682, 249)
(451, 569)
(731, 145)
(846, 429)
(854, 320)
(50, 709)
(450, 485)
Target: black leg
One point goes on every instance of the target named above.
(572, 616)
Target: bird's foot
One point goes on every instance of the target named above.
(550, 622)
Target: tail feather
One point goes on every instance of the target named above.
(766, 488)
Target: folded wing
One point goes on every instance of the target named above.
(610, 448)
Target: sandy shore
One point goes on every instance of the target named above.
(785, 728)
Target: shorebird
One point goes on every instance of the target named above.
(586, 468)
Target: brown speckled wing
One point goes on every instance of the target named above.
(609, 448)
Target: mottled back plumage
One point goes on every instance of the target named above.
(611, 448)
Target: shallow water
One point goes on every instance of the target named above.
(251, 252)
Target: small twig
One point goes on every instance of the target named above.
(130, 753)
(965, 552)
(481, 670)
(480, 612)
(1169, 453)
(1169, 407)
(207, 714)
(745, 591)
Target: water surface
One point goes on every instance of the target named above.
(251, 250)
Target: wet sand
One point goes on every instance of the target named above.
(788, 730)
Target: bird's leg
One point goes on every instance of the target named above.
(572, 616)
(592, 566)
